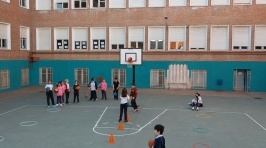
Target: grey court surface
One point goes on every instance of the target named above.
(223, 122)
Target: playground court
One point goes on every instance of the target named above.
(223, 122)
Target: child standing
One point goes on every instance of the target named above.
(67, 91)
(64, 89)
(116, 86)
(49, 93)
(133, 94)
(123, 105)
(76, 92)
(159, 138)
(59, 94)
(93, 88)
(103, 86)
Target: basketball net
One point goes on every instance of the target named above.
(129, 62)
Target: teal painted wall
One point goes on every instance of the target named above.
(65, 69)
(14, 67)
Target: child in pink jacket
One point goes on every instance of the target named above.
(103, 86)
(59, 94)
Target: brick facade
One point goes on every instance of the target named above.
(108, 17)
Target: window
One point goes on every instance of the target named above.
(24, 3)
(117, 38)
(177, 2)
(198, 2)
(98, 37)
(79, 38)
(24, 38)
(61, 4)
(76, 4)
(120, 74)
(219, 38)
(260, 2)
(157, 3)
(199, 78)
(5, 36)
(43, 38)
(81, 74)
(98, 3)
(241, 37)
(260, 38)
(117, 3)
(43, 5)
(197, 38)
(25, 76)
(45, 75)
(137, 3)
(8, 1)
(4, 79)
(156, 38)
(220, 2)
(156, 78)
(136, 37)
(177, 38)
(61, 38)
(242, 2)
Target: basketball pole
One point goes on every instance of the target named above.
(133, 70)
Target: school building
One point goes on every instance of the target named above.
(188, 44)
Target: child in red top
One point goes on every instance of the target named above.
(133, 94)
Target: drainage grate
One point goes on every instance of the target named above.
(257, 98)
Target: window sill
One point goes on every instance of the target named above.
(156, 50)
(236, 50)
(80, 50)
(176, 50)
(79, 8)
(97, 8)
(24, 7)
(43, 50)
(62, 50)
(100, 50)
(61, 9)
(6, 1)
(242, 4)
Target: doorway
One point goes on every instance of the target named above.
(242, 79)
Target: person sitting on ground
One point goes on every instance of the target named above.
(194, 103)
(199, 100)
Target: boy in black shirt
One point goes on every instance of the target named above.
(116, 86)
(159, 139)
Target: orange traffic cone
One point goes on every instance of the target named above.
(120, 127)
(111, 139)
(128, 117)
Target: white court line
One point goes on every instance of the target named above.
(116, 127)
(37, 105)
(25, 123)
(138, 130)
(255, 121)
(2, 138)
(13, 110)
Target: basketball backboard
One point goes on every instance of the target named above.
(134, 53)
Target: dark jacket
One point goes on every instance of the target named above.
(134, 92)
(74, 87)
(159, 142)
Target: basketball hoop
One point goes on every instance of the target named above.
(130, 62)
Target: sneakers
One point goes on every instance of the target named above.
(192, 108)
(197, 108)
(56, 105)
(125, 121)
(48, 106)
(119, 120)
(60, 104)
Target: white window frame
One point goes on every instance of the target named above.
(37, 39)
(62, 40)
(99, 43)
(157, 6)
(156, 46)
(260, 3)
(81, 82)
(170, 4)
(73, 4)
(5, 71)
(23, 81)
(129, 40)
(255, 39)
(191, 4)
(80, 42)
(242, 3)
(206, 43)
(26, 3)
(119, 76)
(99, 2)
(198, 86)
(8, 40)
(55, 5)
(46, 73)
(249, 47)
(229, 1)
(110, 42)
(226, 37)
(152, 83)
(7, 1)
(27, 39)
(134, 6)
(169, 42)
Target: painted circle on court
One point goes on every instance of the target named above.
(1, 138)
(203, 116)
(28, 123)
(201, 130)
(53, 110)
(200, 144)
